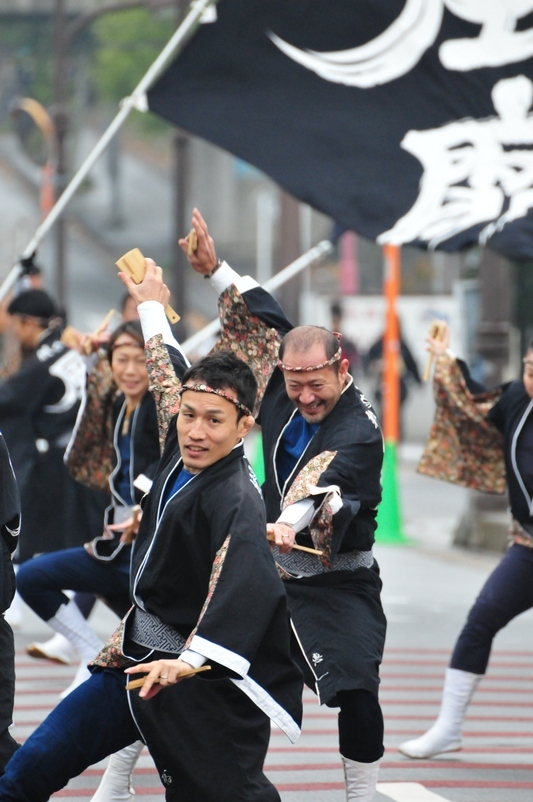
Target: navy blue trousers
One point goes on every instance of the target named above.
(92, 722)
(507, 592)
(207, 738)
(41, 581)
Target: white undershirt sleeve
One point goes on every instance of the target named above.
(193, 658)
(154, 321)
(225, 276)
(298, 515)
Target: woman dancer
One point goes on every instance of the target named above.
(495, 436)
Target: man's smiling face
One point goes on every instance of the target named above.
(314, 392)
(208, 428)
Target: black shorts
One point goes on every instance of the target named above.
(338, 630)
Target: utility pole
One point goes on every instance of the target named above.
(289, 250)
(181, 223)
(64, 32)
(60, 118)
(485, 522)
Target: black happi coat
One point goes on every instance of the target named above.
(38, 408)
(144, 459)
(202, 564)
(144, 452)
(9, 526)
(337, 616)
(509, 414)
(40, 403)
(351, 430)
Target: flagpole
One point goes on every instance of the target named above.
(389, 516)
(137, 100)
(315, 254)
(391, 347)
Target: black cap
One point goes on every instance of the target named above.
(34, 303)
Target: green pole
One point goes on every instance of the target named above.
(257, 461)
(389, 517)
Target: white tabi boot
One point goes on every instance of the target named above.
(361, 779)
(115, 785)
(14, 615)
(58, 649)
(445, 734)
(68, 621)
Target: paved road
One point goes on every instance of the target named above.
(428, 588)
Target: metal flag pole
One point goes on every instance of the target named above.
(137, 100)
(315, 254)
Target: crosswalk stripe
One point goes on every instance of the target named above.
(408, 792)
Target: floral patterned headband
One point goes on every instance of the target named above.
(322, 365)
(204, 388)
(131, 342)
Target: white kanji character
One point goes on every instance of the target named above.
(470, 168)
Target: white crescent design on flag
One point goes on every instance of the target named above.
(390, 55)
(407, 121)
(399, 48)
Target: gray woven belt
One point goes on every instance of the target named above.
(299, 563)
(147, 630)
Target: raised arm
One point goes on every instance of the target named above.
(89, 454)
(252, 322)
(461, 435)
(165, 360)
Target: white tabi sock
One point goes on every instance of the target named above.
(361, 779)
(445, 734)
(69, 621)
(14, 615)
(115, 785)
(58, 649)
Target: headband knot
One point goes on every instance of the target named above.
(205, 388)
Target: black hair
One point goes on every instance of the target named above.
(33, 303)
(131, 327)
(302, 338)
(225, 371)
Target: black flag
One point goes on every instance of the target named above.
(408, 124)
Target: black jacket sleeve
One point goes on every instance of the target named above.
(9, 499)
(265, 306)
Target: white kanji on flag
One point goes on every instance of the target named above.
(475, 171)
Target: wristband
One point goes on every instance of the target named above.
(214, 270)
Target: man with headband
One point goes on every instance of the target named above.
(205, 593)
(323, 453)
